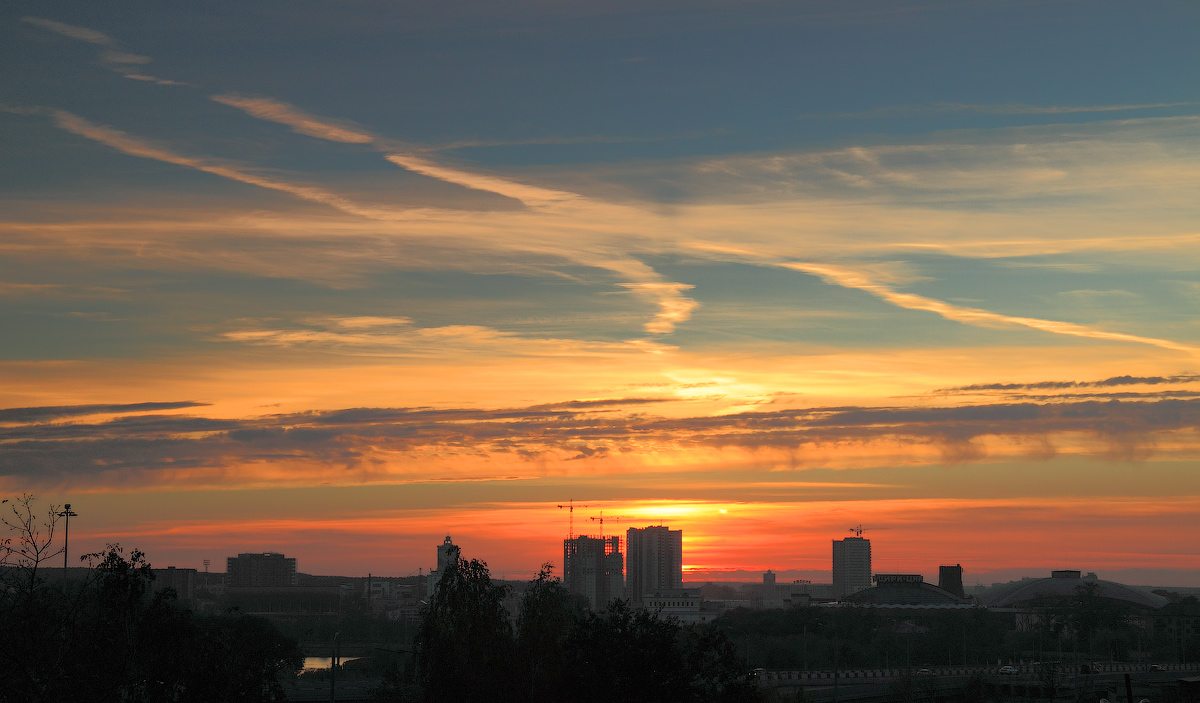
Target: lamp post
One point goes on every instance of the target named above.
(333, 666)
(68, 514)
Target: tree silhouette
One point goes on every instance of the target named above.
(110, 637)
(464, 649)
(549, 614)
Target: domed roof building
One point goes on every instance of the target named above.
(1065, 584)
(905, 591)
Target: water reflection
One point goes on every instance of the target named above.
(317, 663)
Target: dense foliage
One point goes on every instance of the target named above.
(467, 650)
(110, 637)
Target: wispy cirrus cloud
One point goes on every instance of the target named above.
(113, 56)
(398, 336)
(674, 307)
(299, 121)
(90, 36)
(849, 278)
(527, 194)
(135, 147)
(942, 108)
(330, 130)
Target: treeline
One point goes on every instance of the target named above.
(1081, 626)
(868, 638)
(468, 649)
(109, 637)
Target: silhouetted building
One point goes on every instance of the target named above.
(851, 566)
(1062, 587)
(182, 580)
(905, 590)
(682, 603)
(447, 556)
(950, 579)
(593, 568)
(260, 570)
(655, 560)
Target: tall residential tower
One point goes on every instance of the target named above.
(851, 566)
(655, 561)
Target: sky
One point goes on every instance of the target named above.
(338, 278)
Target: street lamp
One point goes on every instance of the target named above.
(68, 514)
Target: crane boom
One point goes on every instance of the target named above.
(601, 519)
(570, 506)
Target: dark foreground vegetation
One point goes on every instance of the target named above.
(1078, 628)
(109, 637)
(468, 650)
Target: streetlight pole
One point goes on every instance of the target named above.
(333, 666)
(68, 514)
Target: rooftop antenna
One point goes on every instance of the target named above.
(570, 506)
(601, 519)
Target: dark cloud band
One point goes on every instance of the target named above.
(573, 430)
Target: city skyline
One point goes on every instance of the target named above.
(336, 281)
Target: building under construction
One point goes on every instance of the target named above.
(594, 568)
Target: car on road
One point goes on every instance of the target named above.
(1008, 671)
(924, 672)
(1156, 667)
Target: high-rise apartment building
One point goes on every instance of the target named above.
(851, 566)
(259, 570)
(594, 568)
(655, 561)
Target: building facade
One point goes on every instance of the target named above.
(851, 566)
(269, 569)
(683, 604)
(594, 568)
(447, 556)
(655, 561)
(182, 580)
(950, 579)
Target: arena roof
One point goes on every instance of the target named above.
(902, 593)
(1063, 584)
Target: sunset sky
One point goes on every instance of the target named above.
(337, 278)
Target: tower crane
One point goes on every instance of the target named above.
(601, 520)
(570, 506)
